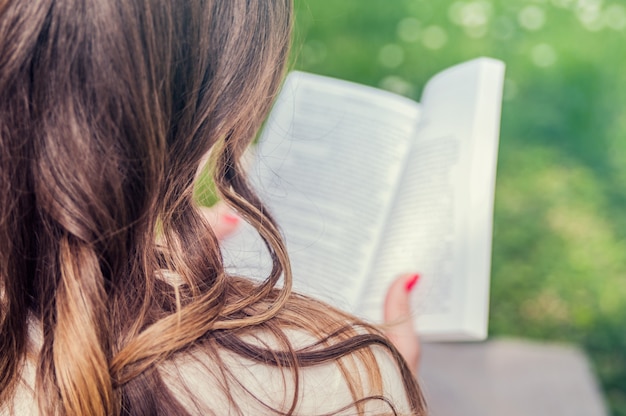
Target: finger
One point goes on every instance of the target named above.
(398, 318)
(397, 302)
(222, 219)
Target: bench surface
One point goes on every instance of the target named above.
(508, 377)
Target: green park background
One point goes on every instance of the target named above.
(559, 247)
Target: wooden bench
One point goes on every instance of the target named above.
(509, 378)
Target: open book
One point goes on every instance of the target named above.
(366, 185)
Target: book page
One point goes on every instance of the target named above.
(328, 163)
(440, 225)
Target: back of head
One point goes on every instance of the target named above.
(106, 109)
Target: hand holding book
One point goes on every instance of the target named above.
(399, 326)
(366, 185)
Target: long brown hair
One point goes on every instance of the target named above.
(106, 110)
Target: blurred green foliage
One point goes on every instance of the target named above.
(559, 254)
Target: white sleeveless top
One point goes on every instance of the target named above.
(199, 386)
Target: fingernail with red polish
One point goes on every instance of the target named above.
(230, 218)
(410, 283)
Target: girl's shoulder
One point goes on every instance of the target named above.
(251, 371)
(219, 380)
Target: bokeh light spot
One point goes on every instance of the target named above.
(543, 55)
(391, 55)
(532, 17)
(455, 12)
(397, 85)
(408, 29)
(434, 37)
(476, 13)
(589, 12)
(470, 14)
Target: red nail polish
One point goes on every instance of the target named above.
(230, 218)
(410, 283)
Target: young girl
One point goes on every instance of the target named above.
(113, 296)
